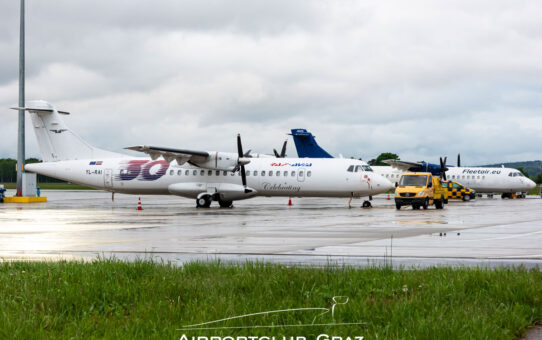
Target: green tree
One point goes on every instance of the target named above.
(382, 157)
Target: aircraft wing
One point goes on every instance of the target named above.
(402, 165)
(182, 156)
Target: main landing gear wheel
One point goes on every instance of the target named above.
(366, 204)
(203, 201)
(225, 204)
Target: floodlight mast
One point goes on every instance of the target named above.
(20, 144)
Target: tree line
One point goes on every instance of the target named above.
(8, 171)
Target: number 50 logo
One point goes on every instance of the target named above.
(145, 170)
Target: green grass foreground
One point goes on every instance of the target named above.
(52, 186)
(115, 299)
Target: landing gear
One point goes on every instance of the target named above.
(506, 195)
(489, 195)
(203, 201)
(366, 204)
(225, 204)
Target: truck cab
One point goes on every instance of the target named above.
(420, 189)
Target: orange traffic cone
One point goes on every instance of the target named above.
(289, 201)
(139, 207)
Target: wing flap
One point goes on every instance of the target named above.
(169, 154)
(402, 165)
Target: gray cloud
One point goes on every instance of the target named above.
(421, 79)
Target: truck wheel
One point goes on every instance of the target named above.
(397, 206)
(425, 204)
(415, 207)
(466, 198)
(438, 204)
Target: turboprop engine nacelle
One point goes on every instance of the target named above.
(222, 161)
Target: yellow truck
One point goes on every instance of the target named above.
(420, 189)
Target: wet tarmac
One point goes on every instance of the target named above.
(314, 231)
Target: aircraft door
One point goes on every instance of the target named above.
(108, 178)
(301, 173)
(365, 178)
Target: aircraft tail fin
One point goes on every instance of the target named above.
(306, 145)
(56, 141)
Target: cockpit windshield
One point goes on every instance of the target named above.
(367, 168)
(359, 168)
(413, 180)
(516, 174)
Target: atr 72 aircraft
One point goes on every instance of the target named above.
(202, 175)
(483, 180)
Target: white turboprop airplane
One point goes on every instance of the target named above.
(202, 175)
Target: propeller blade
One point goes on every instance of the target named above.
(458, 160)
(283, 151)
(239, 146)
(444, 175)
(241, 165)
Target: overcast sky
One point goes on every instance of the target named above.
(418, 78)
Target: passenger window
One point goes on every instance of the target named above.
(263, 173)
(255, 173)
(309, 174)
(301, 173)
(210, 172)
(202, 172)
(171, 172)
(293, 173)
(351, 168)
(248, 173)
(195, 172)
(218, 172)
(278, 173)
(225, 173)
(285, 174)
(186, 172)
(270, 173)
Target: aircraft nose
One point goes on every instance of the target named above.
(530, 183)
(385, 183)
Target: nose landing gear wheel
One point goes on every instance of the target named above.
(366, 204)
(203, 201)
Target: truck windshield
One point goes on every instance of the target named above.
(413, 180)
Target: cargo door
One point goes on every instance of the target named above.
(108, 178)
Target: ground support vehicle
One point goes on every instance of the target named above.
(457, 191)
(420, 190)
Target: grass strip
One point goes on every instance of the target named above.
(108, 298)
(53, 186)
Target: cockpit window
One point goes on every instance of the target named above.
(358, 168)
(351, 168)
(367, 168)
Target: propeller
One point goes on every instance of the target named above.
(241, 165)
(443, 168)
(282, 152)
(458, 160)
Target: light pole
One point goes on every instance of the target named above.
(20, 142)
